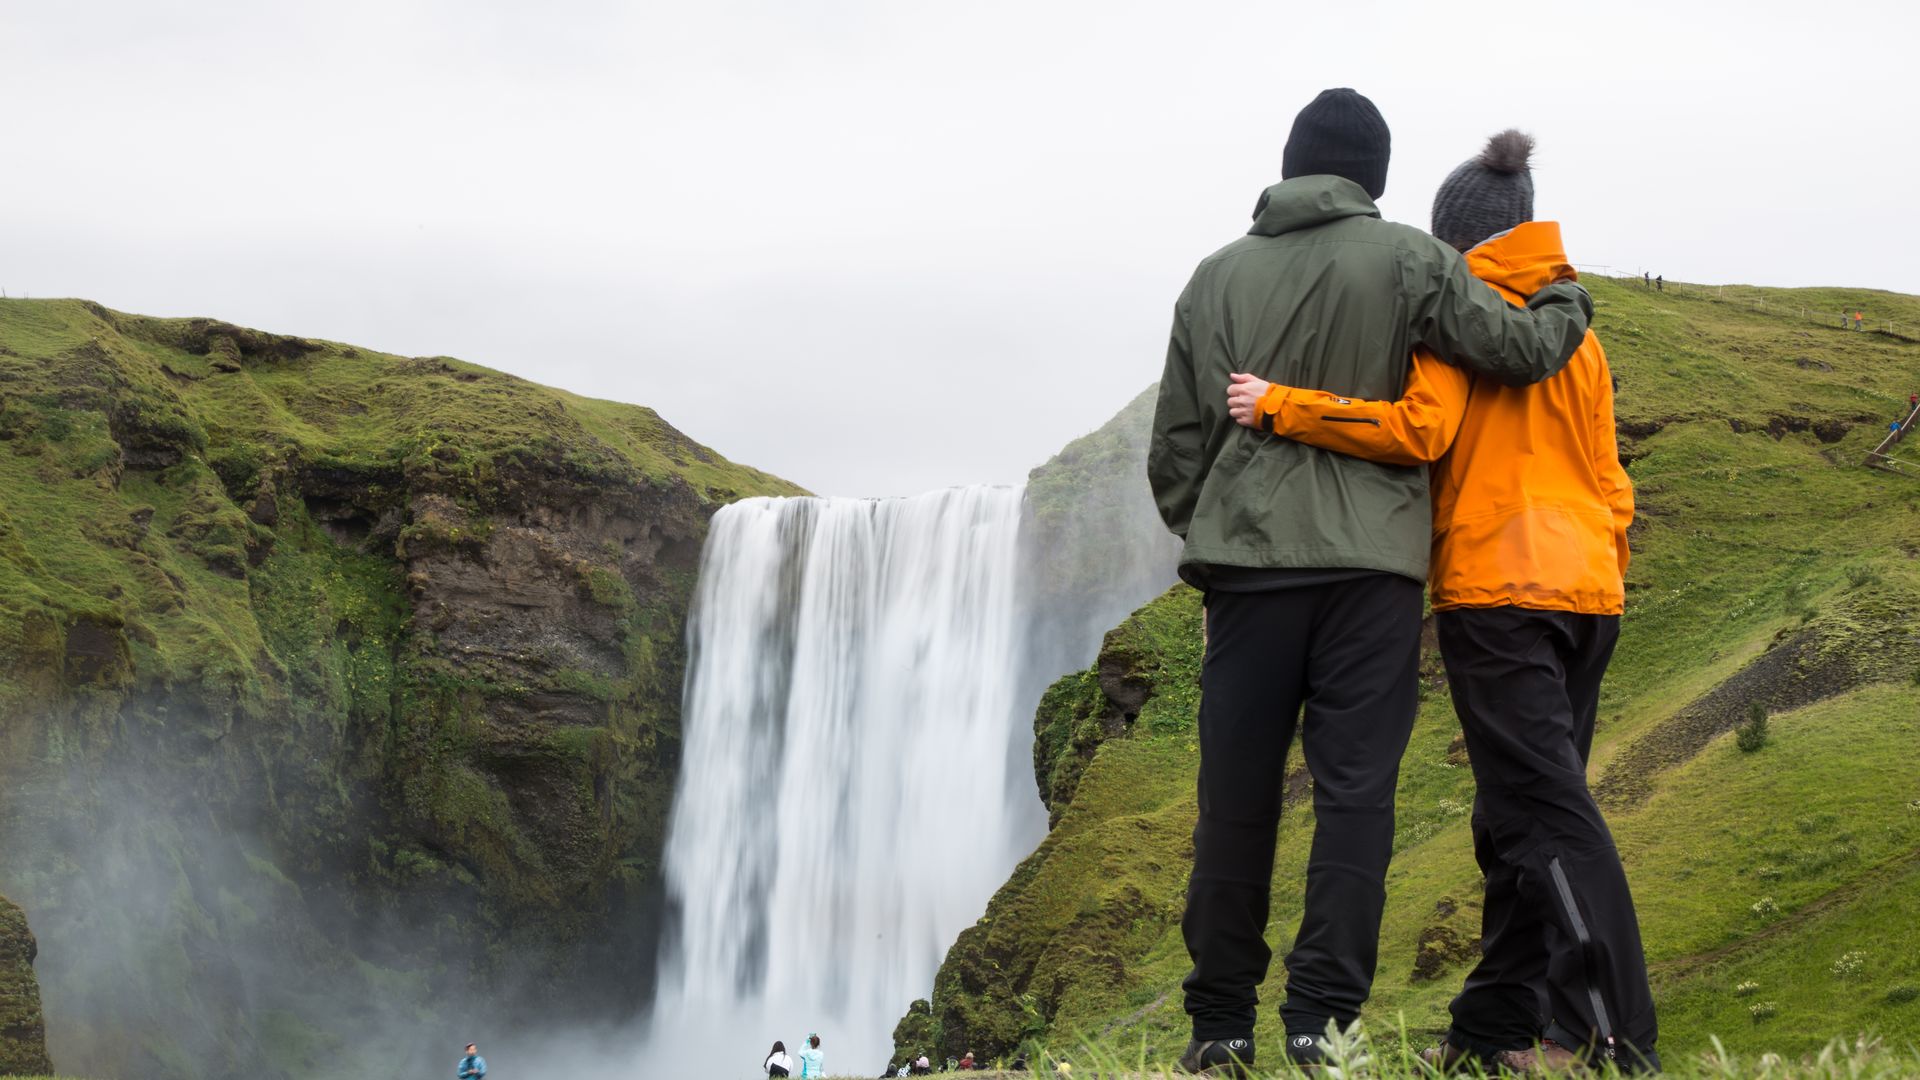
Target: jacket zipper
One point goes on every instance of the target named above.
(1587, 952)
(1351, 420)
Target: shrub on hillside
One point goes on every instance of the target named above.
(1795, 600)
(1900, 995)
(1752, 735)
(1862, 575)
(1849, 965)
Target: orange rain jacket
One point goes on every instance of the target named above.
(1531, 506)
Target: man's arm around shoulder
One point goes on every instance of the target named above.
(1469, 324)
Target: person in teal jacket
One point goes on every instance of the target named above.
(472, 1066)
(812, 1061)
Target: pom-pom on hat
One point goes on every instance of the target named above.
(1487, 195)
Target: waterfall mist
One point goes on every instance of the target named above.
(855, 779)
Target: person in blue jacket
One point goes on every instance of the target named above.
(812, 1061)
(472, 1066)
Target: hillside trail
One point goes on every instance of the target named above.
(1886, 873)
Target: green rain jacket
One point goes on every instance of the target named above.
(1321, 293)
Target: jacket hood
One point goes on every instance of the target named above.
(1306, 201)
(1523, 260)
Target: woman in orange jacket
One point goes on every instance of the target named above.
(1530, 516)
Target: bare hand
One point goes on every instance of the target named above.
(1243, 398)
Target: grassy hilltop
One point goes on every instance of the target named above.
(338, 690)
(1773, 575)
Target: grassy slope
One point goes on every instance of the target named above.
(70, 372)
(1745, 539)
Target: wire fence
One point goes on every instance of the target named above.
(1784, 306)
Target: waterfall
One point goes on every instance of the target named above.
(854, 781)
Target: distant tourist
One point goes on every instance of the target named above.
(1648, 278)
(1913, 401)
(472, 1066)
(1859, 320)
(922, 1067)
(812, 1061)
(1660, 283)
(1312, 561)
(779, 1062)
(966, 1060)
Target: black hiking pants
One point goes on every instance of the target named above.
(1349, 651)
(1560, 944)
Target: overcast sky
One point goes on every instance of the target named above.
(881, 247)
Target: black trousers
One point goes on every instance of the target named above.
(1560, 943)
(1348, 651)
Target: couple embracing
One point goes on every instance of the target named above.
(1352, 408)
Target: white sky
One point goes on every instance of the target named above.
(879, 247)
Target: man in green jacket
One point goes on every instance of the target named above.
(1312, 562)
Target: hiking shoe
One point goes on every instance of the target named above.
(1218, 1057)
(1306, 1049)
(1547, 1058)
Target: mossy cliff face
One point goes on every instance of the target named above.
(23, 1035)
(337, 689)
(1771, 570)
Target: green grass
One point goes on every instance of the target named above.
(1759, 531)
(1358, 1056)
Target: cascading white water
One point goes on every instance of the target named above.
(851, 790)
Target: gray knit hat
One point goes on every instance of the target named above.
(1487, 195)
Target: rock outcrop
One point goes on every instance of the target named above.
(23, 1034)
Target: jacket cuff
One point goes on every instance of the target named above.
(1266, 412)
(1564, 290)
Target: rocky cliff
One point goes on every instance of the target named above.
(338, 690)
(23, 1031)
(1774, 574)
(1092, 549)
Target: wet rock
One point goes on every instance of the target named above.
(23, 1031)
(97, 654)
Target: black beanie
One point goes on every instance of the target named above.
(1487, 195)
(1342, 134)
